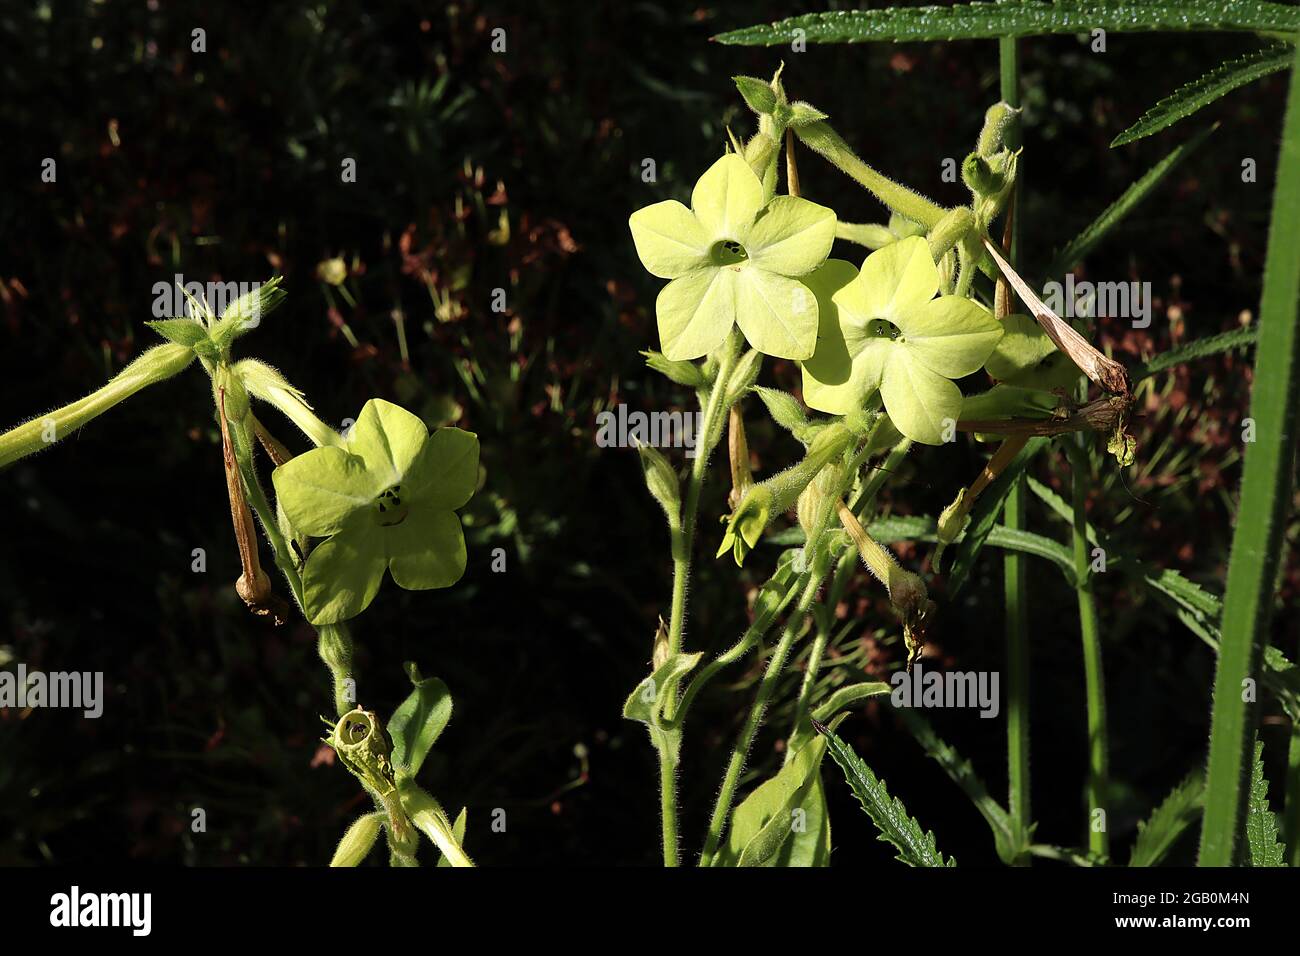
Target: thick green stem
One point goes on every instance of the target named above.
(1094, 675)
(1266, 488)
(158, 363)
(730, 780)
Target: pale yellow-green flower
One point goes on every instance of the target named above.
(734, 259)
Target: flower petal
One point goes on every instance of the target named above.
(791, 236)
(778, 315)
(894, 280)
(696, 312)
(866, 372)
(922, 404)
(830, 363)
(388, 438)
(951, 334)
(319, 489)
(726, 199)
(427, 550)
(669, 239)
(446, 473)
(342, 575)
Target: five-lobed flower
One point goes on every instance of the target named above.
(734, 259)
(384, 500)
(883, 329)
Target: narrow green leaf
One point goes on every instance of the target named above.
(1115, 213)
(1169, 821)
(1197, 608)
(1261, 824)
(1223, 79)
(1265, 499)
(1021, 18)
(1200, 348)
(915, 846)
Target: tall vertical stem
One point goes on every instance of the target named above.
(1266, 487)
(1013, 516)
(683, 541)
(1094, 674)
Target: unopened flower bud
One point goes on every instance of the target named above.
(661, 480)
(358, 841)
(783, 408)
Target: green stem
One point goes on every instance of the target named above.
(1291, 811)
(730, 780)
(822, 139)
(158, 363)
(428, 816)
(1265, 498)
(1014, 565)
(334, 642)
(683, 542)
(1094, 675)
(753, 634)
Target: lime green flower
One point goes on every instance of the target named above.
(883, 329)
(385, 500)
(734, 259)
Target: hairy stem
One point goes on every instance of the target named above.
(1094, 675)
(153, 366)
(731, 778)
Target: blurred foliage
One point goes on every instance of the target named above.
(505, 179)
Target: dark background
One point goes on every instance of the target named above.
(225, 165)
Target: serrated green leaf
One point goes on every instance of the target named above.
(1169, 821)
(1021, 18)
(1115, 213)
(1189, 98)
(1261, 825)
(915, 846)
